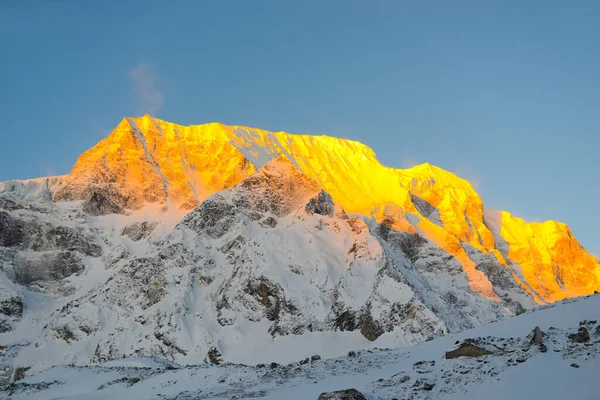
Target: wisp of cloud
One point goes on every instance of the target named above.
(150, 98)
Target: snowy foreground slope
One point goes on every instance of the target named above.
(564, 365)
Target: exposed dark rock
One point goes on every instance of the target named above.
(536, 336)
(316, 357)
(50, 266)
(269, 222)
(37, 236)
(20, 373)
(214, 356)
(370, 329)
(423, 367)
(12, 307)
(10, 205)
(321, 204)
(423, 206)
(408, 243)
(268, 294)
(5, 326)
(466, 349)
(305, 361)
(100, 203)
(65, 333)
(582, 336)
(11, 230)
(502, 278)
(423, 384)
(352, 354)
(139, 230)
(385, 227)
(214, 216)
(85, 329)
(274, 365)
(347, 394)
(346, 321)
(575, 365)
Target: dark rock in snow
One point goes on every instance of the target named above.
(321, 204)
(11, 230)
(346, 321)
(536, 336)
(101, 203)
(139, 230)
(214, 356)
(582, 336)
(5, 326)
(424, 384)
(370, 329)
(12, 307)
(348, 394)
(20, 373)
(466, 349)
(50, 266)
(423, 367)
(269, 222)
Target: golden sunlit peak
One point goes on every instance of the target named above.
(148, 160)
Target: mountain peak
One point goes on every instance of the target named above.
(146, 160)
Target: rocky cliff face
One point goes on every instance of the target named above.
(175, 241)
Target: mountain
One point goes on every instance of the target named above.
(212, 241)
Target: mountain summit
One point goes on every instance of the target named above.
(147, 160)
(185, 242)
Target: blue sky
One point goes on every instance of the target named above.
(504, 93)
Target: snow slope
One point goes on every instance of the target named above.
(517, 370)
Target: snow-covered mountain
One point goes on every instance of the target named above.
(213, 242)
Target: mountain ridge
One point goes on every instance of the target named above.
(180, 242)
(147, 160)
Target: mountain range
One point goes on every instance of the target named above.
(228, 243)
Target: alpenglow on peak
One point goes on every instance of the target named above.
(146, 160)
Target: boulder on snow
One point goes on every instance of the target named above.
(582, 336)
(467, 348)
(423, 384)
(347, 394)
(370, 329)
(214, 356)
(536, 336)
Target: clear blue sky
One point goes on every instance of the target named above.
(504, 93)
